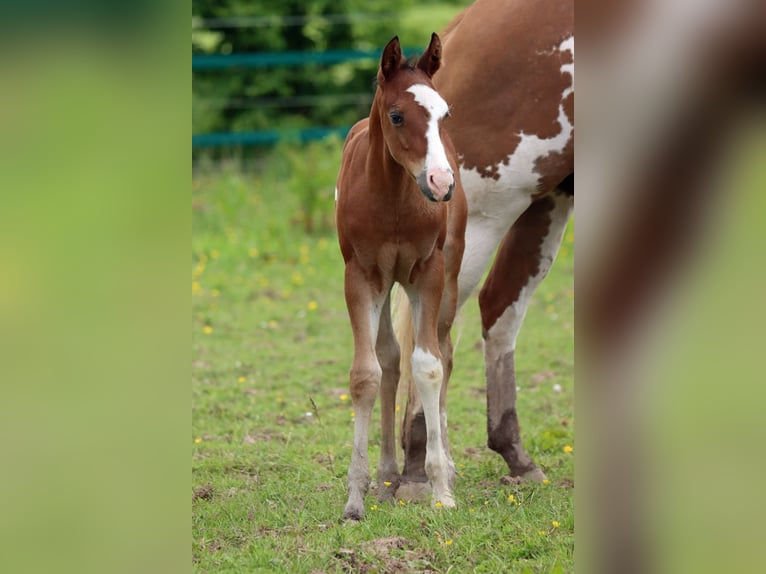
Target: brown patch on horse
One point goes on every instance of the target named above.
(522, 95)
(414, 441)
(522, 246)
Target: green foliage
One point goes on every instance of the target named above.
(272, 425)
(314, 94)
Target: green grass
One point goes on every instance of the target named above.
(271, 431)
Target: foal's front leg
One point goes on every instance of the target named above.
(428, 373)
(364, 309)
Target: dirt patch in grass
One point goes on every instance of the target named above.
(203, 492)
(392, 554)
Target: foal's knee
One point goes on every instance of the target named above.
(364, 381)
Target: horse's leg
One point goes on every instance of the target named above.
(414, 435)
(364, 309)
(428, 372)
(482, 235)
(522, 262)
(388, 356)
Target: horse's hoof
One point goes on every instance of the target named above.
(534, 475)
(413, 491)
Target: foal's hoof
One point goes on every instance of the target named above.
(444, 502)
(353, 514)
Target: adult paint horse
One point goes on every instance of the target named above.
(509, 80)
(394, 225)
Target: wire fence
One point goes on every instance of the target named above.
(257, 60)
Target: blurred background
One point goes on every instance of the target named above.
(296, 71)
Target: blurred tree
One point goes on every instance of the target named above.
(312, 94)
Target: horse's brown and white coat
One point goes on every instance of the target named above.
(401, 218)
(509, 81)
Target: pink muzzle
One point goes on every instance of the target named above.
(441, 182)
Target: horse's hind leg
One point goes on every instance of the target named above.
(364, 309)
(522, 262)
(388, 356)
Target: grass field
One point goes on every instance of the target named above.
(272, 424)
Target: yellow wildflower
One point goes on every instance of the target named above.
(198, 440)
(344, 397)
(511, 498)
(241, 379)
(438, 505)
(387, 483)
(353, 414)
(546, 481)
(312, 306)
(196, 287)
(555, 523)
(448, 542)
(273, 324)
(398, 408)
(542, 532)
(401, 502)
(374, 507)
(568, 449)
(207, 329)
(297, 279)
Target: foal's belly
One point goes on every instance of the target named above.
(398, 262)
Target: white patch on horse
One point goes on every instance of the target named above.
(494, 204)
(437, 108)
(427, 372)
(509, 323)
(568, 46)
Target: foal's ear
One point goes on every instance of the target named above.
(431, 59)
(391, 59)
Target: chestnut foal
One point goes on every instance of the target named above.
(394, 224)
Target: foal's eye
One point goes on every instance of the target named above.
(396, 118)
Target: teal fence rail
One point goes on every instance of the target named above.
(203, 62)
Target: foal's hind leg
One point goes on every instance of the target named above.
(364, 309)
(388, 356)
(522, 262)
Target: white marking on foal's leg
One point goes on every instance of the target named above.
(428, 373)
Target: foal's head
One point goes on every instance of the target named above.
(410, 116)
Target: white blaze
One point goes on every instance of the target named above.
(437, 108)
